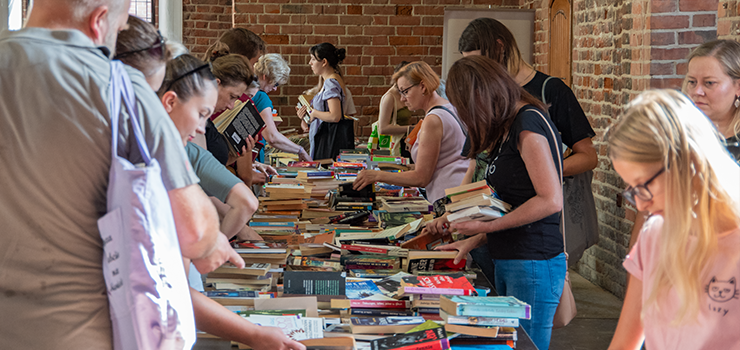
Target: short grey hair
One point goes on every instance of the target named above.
(274, 67)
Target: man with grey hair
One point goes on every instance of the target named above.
(55, 151)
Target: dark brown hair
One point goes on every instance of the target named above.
(229, 68)
(486, 99)
(139, 36)
(494, 40)
(187, 76)
(242, 42)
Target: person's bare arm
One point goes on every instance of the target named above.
(334, 115)
(470, 173)
(278, 140)
(211, 317)
(196, 221)
(242, 204)
(385, 114)
(640, 218)
(430, 139)
(583, 158)
(630, 333)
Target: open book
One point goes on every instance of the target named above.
(239, 123)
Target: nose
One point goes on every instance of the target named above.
(230, 105)
(698, 90)
(641, 204)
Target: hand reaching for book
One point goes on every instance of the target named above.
(464, 246)
(365, 178)
(222, 253)
(438, 227)
(273, 338)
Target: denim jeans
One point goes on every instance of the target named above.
(538, 283)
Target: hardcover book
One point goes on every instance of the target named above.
(379, 325)
(501, 306)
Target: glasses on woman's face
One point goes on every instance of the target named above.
(404, 92)
(156, 50)
(640, 191)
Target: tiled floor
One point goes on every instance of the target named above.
(593, 327)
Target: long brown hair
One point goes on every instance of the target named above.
(486, 99)
(494, 40)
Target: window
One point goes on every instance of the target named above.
(142, 9)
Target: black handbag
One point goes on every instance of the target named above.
(332, 137)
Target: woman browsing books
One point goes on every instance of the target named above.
(523, 166)
(436, 151)
(328, 130)
(684, 268)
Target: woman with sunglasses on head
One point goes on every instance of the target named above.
(523, 167)
(189, 94)
(272, 71)
(436, 152)
(329, 105)
(684, 268)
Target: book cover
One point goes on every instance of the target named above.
(314, 283)
(478, 331)
(500, 306)
(471, 187)
(438, 284)
(475, 213)
(433, 260)
(373, 273)
(231, 294)
(377, 312)
(479, 320)
(246, 122)
(361, 290)
(426, 242)
(411, 340)
(379, 325)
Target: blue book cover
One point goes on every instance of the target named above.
(361, 290)
(500, 306)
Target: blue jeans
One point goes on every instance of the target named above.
(538, 283)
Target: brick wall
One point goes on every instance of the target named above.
(678, 26)
(728, 19)
(378, 34)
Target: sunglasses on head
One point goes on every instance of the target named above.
(156, 50)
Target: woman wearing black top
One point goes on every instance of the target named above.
(523, 168)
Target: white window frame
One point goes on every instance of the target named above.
(170, 19)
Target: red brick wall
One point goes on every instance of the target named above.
(377, 34)
(678, 26)
(728, 19)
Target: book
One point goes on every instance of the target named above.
(475, 213)
(501, 306)
(433, 260)
(464, 196)
(438, 284)
(478, 331)
(418, 205)
(303, 100)
(331, 343)
(426, 242)
(376, 312)
(239, 123)
(369, 304)
(314, 283)
(361, 290)
(256, 269)
(479, 320)
(424, 339)
(483, 200)
(373, 273)
(231, 294)
(379, 325)
(471, 187)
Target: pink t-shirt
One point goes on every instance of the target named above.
(718, 323)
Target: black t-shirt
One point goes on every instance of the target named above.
(733, 146)
(507, 174)
(564, 109)
(216, 143)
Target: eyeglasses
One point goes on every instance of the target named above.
(169, 86)
(640, 191)
(405, 91)
(156, 50)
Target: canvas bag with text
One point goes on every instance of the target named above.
(148, 294)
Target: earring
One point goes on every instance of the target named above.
(737, 101)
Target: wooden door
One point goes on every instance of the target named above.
(560, 40)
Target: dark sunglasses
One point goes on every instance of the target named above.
(156, 50)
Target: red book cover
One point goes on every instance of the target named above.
(437, 284)
(364, 249)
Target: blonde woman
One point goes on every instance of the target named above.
(685, 266)
(272, 71)
(713, 83)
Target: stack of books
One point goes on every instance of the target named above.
(474, 201)
(483, 320)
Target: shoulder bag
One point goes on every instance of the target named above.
(566, 310)
(148, 294)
